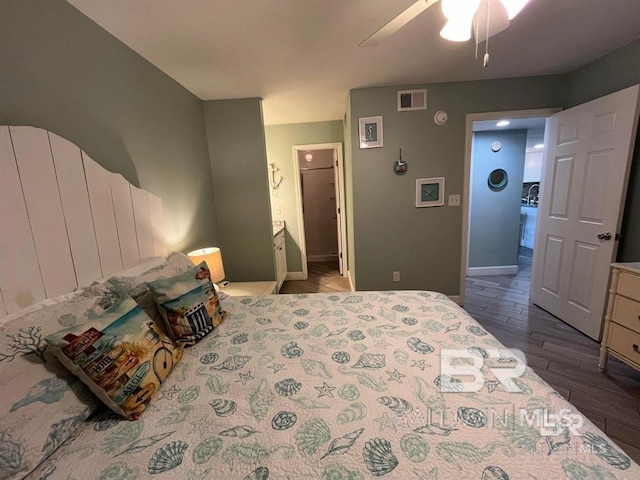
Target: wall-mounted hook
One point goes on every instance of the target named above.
(275, 184)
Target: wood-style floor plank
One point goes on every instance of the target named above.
(561, 355)
(324, 277)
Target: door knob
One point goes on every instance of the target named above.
(604, 236)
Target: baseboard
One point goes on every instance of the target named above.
(499, 270)
(321, 258)
(351, 286)
(296, 276)
(454, 298)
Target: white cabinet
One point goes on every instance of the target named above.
(622, 320)
(532, 167)
(528, 216)
(281, 258)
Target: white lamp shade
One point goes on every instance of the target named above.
(213, 257)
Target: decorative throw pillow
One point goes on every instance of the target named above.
(122, 356)
(41, 403)
(188, 304)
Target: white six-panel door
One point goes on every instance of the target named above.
(585, 175)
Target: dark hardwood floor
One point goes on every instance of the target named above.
(564, 357)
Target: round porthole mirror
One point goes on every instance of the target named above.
(498, 180)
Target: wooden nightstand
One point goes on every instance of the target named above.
(240, 289)
(622, 321)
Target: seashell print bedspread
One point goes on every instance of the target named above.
(345, 386)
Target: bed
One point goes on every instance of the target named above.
(397, 384)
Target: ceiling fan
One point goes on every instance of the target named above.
(487, 17)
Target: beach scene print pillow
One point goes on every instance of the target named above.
(188, 303)
(122, 356)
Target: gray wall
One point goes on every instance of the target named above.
(235, 132)
(62, 72)
(280, 140)
(424, 244)
(389, 233)
(494, 228)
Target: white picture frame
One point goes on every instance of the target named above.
(370, 129)
(430, 192)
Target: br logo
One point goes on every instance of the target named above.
(463, 370)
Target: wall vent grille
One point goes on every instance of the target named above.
(412, 100)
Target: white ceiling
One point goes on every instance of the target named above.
(302, 56)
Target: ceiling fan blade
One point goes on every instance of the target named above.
(397, 23)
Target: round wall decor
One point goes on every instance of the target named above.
(498, 180)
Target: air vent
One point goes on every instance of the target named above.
(412, 100)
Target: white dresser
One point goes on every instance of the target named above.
(622, 320)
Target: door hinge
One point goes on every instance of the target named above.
(338, 210)
(618, 236)
(340, 254)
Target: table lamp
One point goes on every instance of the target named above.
(213, 257)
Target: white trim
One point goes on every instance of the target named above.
(340, 198)
(455, 299)
(322, 258)
(351, 285)
(474, 117)
(498, 270)
(297, 276)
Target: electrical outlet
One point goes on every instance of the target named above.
(396, 276)
(278, 210)
(454, 200)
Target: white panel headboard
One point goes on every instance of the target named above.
(66, 221)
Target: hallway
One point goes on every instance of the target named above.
(324, 277)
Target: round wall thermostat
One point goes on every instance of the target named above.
(496, 146)
(440, 117)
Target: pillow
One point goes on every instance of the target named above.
(122, 356)
(152, 263)
(41, 404)
(136, 286)
(188, 304)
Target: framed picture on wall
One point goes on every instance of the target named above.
(430, 192)
(370, 132)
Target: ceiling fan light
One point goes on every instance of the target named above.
(513, 7)
(458, 10)
(456, 31)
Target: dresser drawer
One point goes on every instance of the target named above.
(629, 285)
(626, 312)
(625, 342)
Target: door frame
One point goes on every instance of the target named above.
(466, 189)
(340, 202)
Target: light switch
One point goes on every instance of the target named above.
(454, 200)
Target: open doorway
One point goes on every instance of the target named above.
(506, 171)
(320, 190)
(501, 190)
